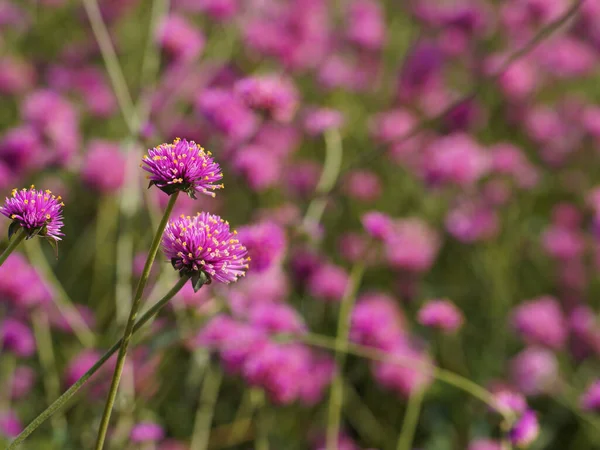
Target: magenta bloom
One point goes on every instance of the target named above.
(377, 224)
(276, 318)
(273, 94)
(534, 371)
(180, 39)
(182, 166)
(10, 425)
(266, 244)
(146, 432)
(205, 244)
(376, 321)
(100, 156)
(525, 430)
(442, 314)
(319, 120)
(328, 283)
(590, 400)
(541, 321)
(16, 337)
(37, 212)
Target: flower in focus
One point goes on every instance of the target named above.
(37, 212)
(146, 432)
(442, 314)
(590, 400)
(204, 244)
(525, 430)
(182, 166)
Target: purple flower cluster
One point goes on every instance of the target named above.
(287, 372)
(38, 213)
(204, 243)
(182, 166)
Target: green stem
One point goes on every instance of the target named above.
(43, 337)
(66, 396)
(445, 376)
(261, 440)
(343, 328)
(411, 419)
(113, 67)
(65, 305)
(14, 243)
(106, 222)
(331, 171)
(137, 301)
(7, 373)
(206, 408)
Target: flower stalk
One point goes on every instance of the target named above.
(66, 396)
(12, 245)
(137, 300)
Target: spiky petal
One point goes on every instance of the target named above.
(204, 243)
(182, 166)
(39, 213)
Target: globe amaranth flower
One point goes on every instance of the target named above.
(525, 430)
(590, 400)
(204, 246)
(182, 166)
(37, 212)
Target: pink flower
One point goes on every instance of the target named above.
(541, 321)
(441, 314)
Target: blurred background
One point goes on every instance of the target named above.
(419, 178)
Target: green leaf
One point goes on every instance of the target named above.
(13, 228)
(199, 279)
(54, 244)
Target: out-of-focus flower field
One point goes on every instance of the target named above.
(417, 184)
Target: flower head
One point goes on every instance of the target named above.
(525, 430)
(37, 212)
(146, 432)
(182, 166)
(442, 314)
(205, 244)
(590, 400)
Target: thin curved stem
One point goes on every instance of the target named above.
(43, 338)
(206, 408)
(445, 376)
(137, 301)
(343, 328)
(14, 243)
(66, 396)
(367, 157)
(329, 175)
(113, 67)
(411, 419)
